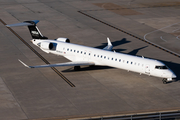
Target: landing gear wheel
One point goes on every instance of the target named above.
(77, 68)
(91, 65)
(164, 80)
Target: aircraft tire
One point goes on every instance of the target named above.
(164, 81)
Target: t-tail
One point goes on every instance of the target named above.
(33, 29)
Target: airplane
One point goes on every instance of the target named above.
(80, 55)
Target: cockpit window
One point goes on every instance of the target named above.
(161, 67)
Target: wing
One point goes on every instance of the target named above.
(78, 63)
(109, 46)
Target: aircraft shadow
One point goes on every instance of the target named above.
(88, 68)
(115, 43)
(135, 51)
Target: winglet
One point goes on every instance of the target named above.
(109, 42)
(24, 64)
(109, 46)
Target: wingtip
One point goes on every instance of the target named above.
(24, 64)
(7, 26)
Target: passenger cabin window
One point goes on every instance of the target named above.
(161, 67)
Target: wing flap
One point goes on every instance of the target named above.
(78, 63)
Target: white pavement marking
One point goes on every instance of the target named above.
(163, 39)
(159, 30)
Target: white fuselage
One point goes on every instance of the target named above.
(102, 57)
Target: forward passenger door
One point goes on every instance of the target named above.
(147, 69)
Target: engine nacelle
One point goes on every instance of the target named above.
(63, 40)
(47, 45)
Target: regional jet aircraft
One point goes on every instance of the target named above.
(82, 55)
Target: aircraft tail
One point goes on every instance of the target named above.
(33, 29)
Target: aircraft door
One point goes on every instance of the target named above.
(147, 69)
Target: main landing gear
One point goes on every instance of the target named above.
(164, 80)
(77, 68)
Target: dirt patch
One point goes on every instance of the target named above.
(117, 9)
(161, 4)
(176, 34)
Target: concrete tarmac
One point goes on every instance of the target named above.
(99, 91)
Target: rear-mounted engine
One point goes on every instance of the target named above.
(63, 40)
(48, 45)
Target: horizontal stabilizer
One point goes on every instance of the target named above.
(25, 23)
(78, 63)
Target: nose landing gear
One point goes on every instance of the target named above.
(164, 80)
